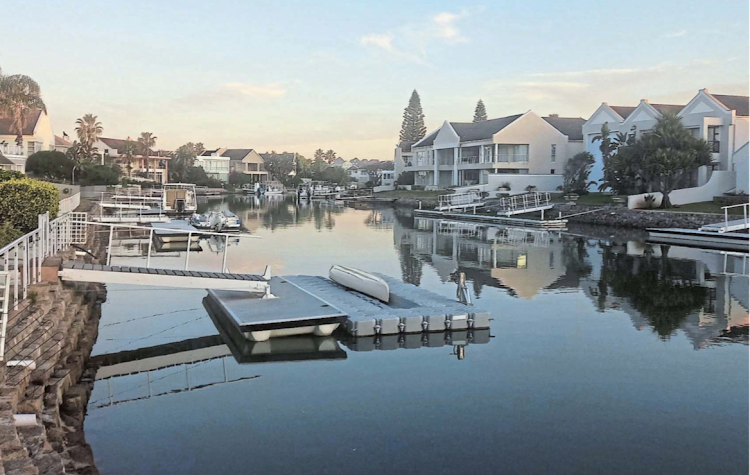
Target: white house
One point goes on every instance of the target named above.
(248, 162)
(360, 175)
(214, 164)
(722, 120)
(401, 156)
(494, 151)
(37, 137)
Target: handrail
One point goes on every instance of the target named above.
(745, 210)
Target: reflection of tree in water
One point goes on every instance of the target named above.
(411, 267)
(661, 289)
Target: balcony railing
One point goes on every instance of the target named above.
(12, 149)
(715, 146)
(470, 160)
(512, 157)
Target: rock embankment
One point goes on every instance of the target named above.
(56, 327)
(622, 217)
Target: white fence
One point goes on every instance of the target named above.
(719, 183)
(69, 204)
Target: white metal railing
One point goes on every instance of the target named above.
(4, 300)
(189, 232)
(745, 223)
(69, 204)
(459, 199)
(525, 202)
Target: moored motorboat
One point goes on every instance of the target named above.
(231, 222)
(361, 281)
(200, 221)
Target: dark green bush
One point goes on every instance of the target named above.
(6, 175)
(99, 175)
(8, 234)
(22, 200)
(50, 165)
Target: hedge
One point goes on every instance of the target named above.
(22, 200)
(6, 175)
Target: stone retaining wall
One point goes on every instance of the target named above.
(621, 217)
(57, 391)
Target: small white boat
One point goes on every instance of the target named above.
(274, 188)
(361, 281)
(200, 221)
(231, 221)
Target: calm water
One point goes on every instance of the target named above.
(606, 356)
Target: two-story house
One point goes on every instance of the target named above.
(248, 162)
(215, 164)
(37, 136)
(722, 120)
(489, 152)
(151, 167)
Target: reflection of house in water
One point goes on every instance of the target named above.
(521, 260)
(704, 293)
(380, 218)
(661, 288)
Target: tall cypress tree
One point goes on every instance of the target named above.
(413, 128)
(480, 113)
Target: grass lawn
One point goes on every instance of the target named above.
(704, 207)
(415, 195)
(594, 199)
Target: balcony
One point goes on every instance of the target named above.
(512, 157)
(715, 146)
(12, 149)
(472, 160)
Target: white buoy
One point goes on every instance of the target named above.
(24, 420)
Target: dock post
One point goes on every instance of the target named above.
(150, 241)
(187, 253)
(109, 244)
(226, 247)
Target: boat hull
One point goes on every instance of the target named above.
(361, 281)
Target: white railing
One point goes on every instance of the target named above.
(735, 226)
(459, 199)
(527, 202)
(12, 149)
(512, 157)
(69, 204)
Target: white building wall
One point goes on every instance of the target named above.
(741, 160)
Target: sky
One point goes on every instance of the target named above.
(297, 76)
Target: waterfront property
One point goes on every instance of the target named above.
(246, 161)
(492, 151)
(215, 164)
(152, 167)
(722, 120)
(37, 137)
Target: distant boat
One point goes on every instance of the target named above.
(361, 281)
(224, 221)
(274, 188)
(179, 198)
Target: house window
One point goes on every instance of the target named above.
(31, 148)
(552, 171)
(553, 153)
(713, 138)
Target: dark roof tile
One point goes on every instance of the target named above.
(29, 123)
(570, 126)
(739, 104)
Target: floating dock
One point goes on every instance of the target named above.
(312, 301)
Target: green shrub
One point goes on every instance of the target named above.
(50, 164)
(22, 200)
(6, 175)
(8, 234)
(100, 175)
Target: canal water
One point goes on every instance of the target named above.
(605, 355)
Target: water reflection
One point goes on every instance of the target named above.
(701, 292)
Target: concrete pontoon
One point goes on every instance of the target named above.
(726, 241)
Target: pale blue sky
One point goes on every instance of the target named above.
(296, 76)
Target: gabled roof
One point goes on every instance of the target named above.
(29, 123)
(623, 111)
(668, 108)
(405, 146)
(236, 153)
(468, 131)
(570, 126)
(5, 161)
(739, 104)
(117, 144)
(61, 141)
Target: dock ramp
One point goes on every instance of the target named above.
(80, 272)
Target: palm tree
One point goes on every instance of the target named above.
(128, 154)
(89, 130)
(19, 94)
(146, 142)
